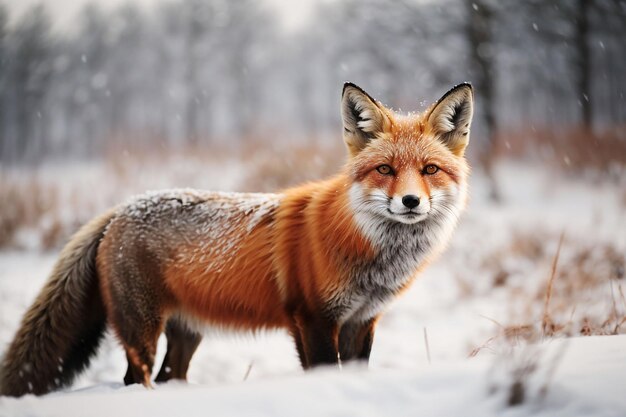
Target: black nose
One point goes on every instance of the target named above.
(411, 201)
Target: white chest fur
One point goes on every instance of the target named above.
(400, 250)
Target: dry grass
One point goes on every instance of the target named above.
(271, 169)
(427, 345)
(524, 373)
(547, 325)
(522, 366)
(575, 150)
(29, 204)
(41, 212)
(582, 294)
(522, 358)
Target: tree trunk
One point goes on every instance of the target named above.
(481, 54)
(583, 53)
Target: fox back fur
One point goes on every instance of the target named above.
(321, 260)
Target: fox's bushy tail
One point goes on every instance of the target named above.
(62, 329)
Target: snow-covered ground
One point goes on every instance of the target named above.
(486, 292)
(588, 382)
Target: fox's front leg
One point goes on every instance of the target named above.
(319, 339)
(356, 339)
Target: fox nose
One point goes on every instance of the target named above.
(411, 201)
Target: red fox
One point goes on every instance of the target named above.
(321, 260)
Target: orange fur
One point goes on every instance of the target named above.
(242, 295)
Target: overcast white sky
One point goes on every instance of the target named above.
(292, 12)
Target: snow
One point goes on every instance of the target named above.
(442, 389)
(212, 216)
(455, 301)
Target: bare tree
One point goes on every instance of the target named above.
(482, 56)
(30, 72)
(4, 18)
(196, 16)
(583, 58)
(218, 69)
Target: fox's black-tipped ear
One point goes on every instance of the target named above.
(363, 118)
(451, 117)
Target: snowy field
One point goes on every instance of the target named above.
(482, 309)
(589, 382)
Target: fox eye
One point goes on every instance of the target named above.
(430, 169)
(385, 169)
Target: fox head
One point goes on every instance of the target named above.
(407, 169)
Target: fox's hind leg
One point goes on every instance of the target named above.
(140, 349)
(138, 323)
(136, 303)
(131, 377)
(139, 336)
(181, 345)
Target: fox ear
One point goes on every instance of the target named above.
(451, 117)
(363, 118)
